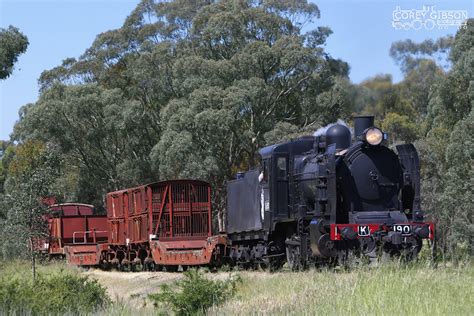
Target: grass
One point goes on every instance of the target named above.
(22, 268)
(390, 289)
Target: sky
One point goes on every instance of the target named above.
(58, 29)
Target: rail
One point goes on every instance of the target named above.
(85, 237)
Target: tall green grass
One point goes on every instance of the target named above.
(387, 290)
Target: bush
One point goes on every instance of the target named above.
(54, 294)
(195, 293)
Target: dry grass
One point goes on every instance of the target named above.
(390, 289)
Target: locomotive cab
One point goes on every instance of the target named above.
(259, 199)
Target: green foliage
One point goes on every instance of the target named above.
(12, 44)
(449, 157)
(7, 152)
(92, 127)
(399, 127)
(417, 86)
(409, 55)
(282, 132)
(32, 173)
(457, 199)
(195, 293)
(54, 294)
(376, 96)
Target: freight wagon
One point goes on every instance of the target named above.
(163, 224)
(71, 223)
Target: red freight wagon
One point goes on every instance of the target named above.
(72, 223)
(164, 224)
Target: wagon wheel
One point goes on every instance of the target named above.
(276, 255)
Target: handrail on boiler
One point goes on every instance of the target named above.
(84, 237)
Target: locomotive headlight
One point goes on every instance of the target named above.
(374, 136)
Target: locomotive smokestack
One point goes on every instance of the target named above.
(361, 123)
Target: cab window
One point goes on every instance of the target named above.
(281, 167)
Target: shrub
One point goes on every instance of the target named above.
(54, 294)
(195, 293)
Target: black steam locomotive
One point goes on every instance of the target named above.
(327, 198)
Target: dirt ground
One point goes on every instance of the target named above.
(131, 288)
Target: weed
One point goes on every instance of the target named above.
(58, 293)
(195, 293)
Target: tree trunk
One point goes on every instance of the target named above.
(33, 260)
(220, 219)
(33, 266)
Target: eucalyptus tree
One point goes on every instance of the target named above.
(13, 43)
(32, 174)
(94, 129)
(188, 89)
(450, 132)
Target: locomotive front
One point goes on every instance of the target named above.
(372, 199)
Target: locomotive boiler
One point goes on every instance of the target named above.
(328, 197)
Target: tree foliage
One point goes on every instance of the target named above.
(409, 55)
(31, 176)
(185, 89)
(449, 132)
(12, 44)
(432, 105)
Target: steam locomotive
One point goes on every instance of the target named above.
(316, 199)
(328, 198)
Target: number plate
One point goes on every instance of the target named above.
(364, 231)
(404, 229)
